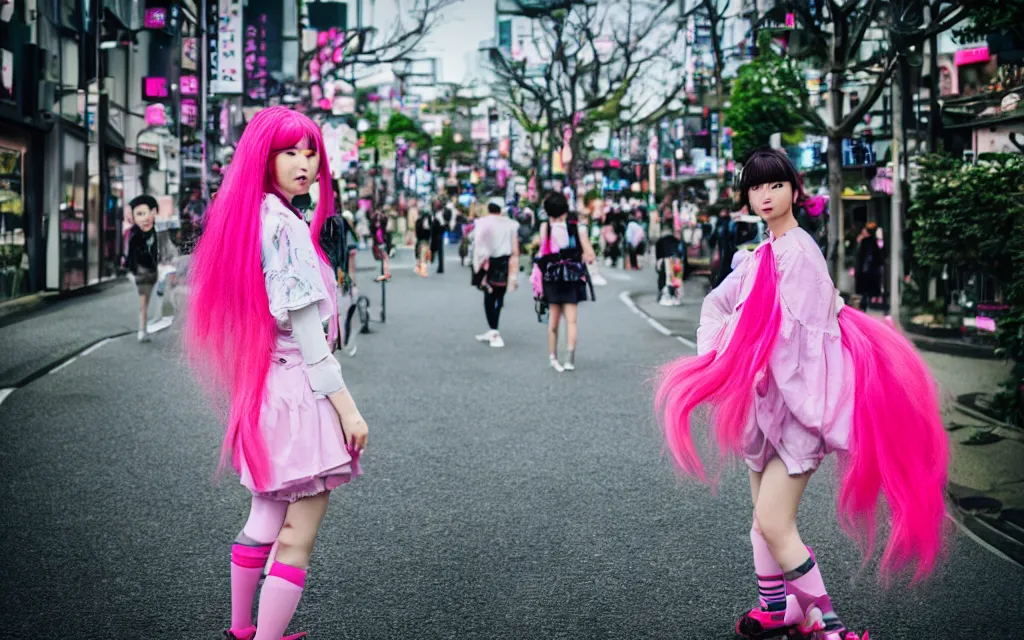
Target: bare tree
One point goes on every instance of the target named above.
(348, 51)
(833, 34)
(596, 55)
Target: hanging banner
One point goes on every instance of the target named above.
(230, 33)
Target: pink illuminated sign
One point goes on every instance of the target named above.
(156, 18)
(189, 85)
(971, 56)
(189, 112)
(154, 88)
(156, 115)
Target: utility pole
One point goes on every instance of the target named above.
(898, 177)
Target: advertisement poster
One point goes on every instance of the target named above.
(190, 54)
(6, 75)
(230, 35)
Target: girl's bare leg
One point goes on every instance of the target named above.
(777, 501)
(143, 311)
(571, 332)
(554, 318)
(283, 588)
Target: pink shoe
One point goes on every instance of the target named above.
(760, 623)
(250, 633)
(813, 628)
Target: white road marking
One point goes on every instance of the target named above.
(160, 324)
(63, 364)
(689, 343)
(627, 300)
(6, 392)
(95, 347)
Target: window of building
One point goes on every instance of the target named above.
(14, 261)
(72, 213)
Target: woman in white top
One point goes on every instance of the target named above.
(564, 248)
(495, 265)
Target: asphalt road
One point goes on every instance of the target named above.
(500, 499)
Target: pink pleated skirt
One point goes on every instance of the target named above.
(304, 437)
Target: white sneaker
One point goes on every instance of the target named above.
(557, 367)
(487, 336)
(497, 342)
(350, 350)
(666, 301)
(144, 336)
(568, 366)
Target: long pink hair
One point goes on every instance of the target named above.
(897, 448)
(229, 333)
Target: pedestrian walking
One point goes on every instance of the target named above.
(257, 329)
(442, 217)
(424, 231)
(143, 255)
(791, 375)
(636, 242)
(564, 281)
(495, 265)
(870, 259)
(334, 239)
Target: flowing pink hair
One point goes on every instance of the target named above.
(229, 332)
(897, 446)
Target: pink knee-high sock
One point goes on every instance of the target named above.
(806, 583)
(281, 593)
(246, 570)
(771, 585)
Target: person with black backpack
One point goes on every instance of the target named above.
(565, 250)
(334, 239)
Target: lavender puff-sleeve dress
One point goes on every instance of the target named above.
(304, 437)
(803, 402)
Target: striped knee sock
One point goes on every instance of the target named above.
(771, 585)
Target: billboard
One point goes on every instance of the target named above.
(228, 77)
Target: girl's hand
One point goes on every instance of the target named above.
(356, 431)
(513, 283)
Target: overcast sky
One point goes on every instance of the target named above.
(456, 37)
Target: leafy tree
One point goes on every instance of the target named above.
(448, 147)
(766, 97)
(988, 17)
(971, 217)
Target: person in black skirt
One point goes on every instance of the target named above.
(565, 251)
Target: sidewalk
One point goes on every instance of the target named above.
(56, 329)
(986, 476)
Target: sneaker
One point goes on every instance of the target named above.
(350, 350)
(497, 342)
(144, 336)
(568, 366)
(665, 301)
(487, 336)
(557, 367)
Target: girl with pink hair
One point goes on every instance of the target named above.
(259, 325)
(790, 374)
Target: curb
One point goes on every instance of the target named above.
(1000, 530)
(57, 365)
(626, 297)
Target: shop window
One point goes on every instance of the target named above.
(72, 213)
(72, 99)
(14, 262)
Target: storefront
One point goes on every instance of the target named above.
(14, 254)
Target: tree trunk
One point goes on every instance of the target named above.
(934, 119)
(837, 224)
(896, 214)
